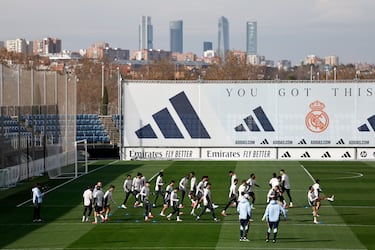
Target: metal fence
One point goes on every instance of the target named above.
(37, 122)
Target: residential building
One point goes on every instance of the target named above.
(253, 59)
(176, 36)
(47, 45)
(186, 57)
(150, 55)
(251, 38)
(313, 59)
(102, 51)
(331, 60)
(29, 47)
(145, 33)
(18, 45)
(223, 36)
(239, 55)
(284, 65)
(96, 51)
(210, 57)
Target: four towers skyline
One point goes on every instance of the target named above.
(176, 36)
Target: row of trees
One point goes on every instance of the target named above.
(92, 73)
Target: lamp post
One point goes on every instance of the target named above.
(102, 80)
(176, 72)
(334, 73)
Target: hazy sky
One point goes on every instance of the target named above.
(287, 29)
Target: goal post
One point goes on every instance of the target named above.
(72, 163)
(79, 154)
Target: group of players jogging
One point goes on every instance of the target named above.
(199, 193)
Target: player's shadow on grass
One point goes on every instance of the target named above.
(298, 240)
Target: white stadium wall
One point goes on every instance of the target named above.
(249, 120)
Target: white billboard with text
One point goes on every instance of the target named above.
(249, 114)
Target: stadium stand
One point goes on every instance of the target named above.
(90, 127)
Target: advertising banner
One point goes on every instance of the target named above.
(239, 154)
(366, 154)
(161, 153)
(249, 114)
(317, 154)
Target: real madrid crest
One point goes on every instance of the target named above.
(317, 120)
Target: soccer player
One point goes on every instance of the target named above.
(318, 192)
(273, 192)
(208, 203)
(137, 184)
(98, 184)
(37, 201)
(272, 216)
(244, 211)
(199, 193)
(285, 186)
(107, 200)
(242, 189)
(233, 176)
(274, 181)
(167, 197)
(127, 189)
(145, 192)
(183, 188)
(313, 200)
(232, 197)
(98, 204)
(87, 204)
(251, 184)
(193, 188)
(174, 204)
(158, 187)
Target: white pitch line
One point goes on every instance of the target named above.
(355, 175)
(63, 184)
(155, 175)
(308, 173)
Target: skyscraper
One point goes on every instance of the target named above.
(251, 38)
(145, 33)
(176, 36)
(223, 36)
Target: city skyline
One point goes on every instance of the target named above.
(291, 29)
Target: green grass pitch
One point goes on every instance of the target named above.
(347, 223)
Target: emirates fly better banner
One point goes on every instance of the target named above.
(249, 114)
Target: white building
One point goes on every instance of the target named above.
(18, 45)
(331, 60)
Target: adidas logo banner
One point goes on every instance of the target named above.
(304, 154)
(248, 114)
